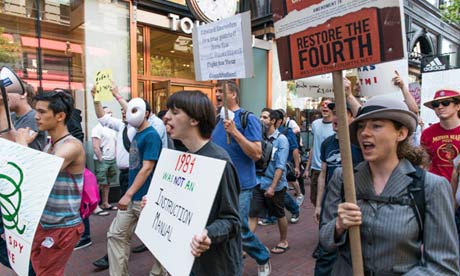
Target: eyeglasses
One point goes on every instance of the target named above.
(324, 104)
(443, 103)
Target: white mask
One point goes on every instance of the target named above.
(135, 114)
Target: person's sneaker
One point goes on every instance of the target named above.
(300, 199)
(295, 218)
(139, 248)
(102, 263)
(265, 222)
(264, 270)
(83, 243)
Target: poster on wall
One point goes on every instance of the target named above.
(223, 49)
(317, 37)
(179, 200)
(431, 82)
(376, 79)
(24, 191)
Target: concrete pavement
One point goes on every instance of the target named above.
(297, 261)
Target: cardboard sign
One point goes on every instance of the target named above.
(104, 85)
(24, 189)
(376, 79)
(317, 86)
(223, 49)
(317, 37)
(431, 82)
(179, 200)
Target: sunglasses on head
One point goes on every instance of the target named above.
(443, 103)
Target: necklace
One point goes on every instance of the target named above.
(55, 142)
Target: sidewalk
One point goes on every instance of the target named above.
(297, 261)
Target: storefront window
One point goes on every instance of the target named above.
(449, 48)
(63, 43)
(140, 50)
(171, 55)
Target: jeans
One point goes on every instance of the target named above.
(251, 243)
(4, 257)
(86, 233)
(290, 204)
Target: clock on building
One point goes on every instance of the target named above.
(213, 10)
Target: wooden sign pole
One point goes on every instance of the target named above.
(347, 165)
(224, 91)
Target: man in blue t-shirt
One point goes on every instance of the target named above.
(244, 149)
(143, 154)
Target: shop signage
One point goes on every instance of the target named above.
(223, 49)
(434, 63)
(179, 200)
(184, 24)
(24, 191)
(317, 37)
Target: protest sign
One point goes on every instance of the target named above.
(317, 37)
(316, 86)
(376, 79)
(223, 49)
(416, 91)
(24, 191)
(104, 85)
(431, 82)
(179, 200)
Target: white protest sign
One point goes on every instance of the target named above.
(316, 86)
(223, 49)
(179, 200)
(376, 79)
(26, 179)
(431, 82)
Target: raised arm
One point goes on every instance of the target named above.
(408, 98)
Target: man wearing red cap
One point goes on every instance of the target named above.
(442, 140)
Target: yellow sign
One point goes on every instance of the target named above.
(104, 85)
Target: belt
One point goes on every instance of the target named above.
(124, 170)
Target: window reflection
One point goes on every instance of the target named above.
(171, 55)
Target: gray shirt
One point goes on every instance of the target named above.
(389, 232)
(28, 120)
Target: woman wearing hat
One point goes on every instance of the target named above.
(391, 236)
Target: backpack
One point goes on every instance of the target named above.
(267, 149)
(415, 197)
(89, 194)
(243, 118)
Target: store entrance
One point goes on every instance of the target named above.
(160, 93)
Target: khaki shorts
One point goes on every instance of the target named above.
(106, 171)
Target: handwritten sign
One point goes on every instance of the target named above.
(317, 37)
(316, 86)
(223, 49)
(432, 82)
(376, 79)
(104, 85)
(24, 191)
(179, 200)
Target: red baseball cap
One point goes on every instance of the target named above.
(442, 95)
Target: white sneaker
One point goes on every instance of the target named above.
(264, 270)
(300, 199)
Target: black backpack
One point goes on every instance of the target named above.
(415, 197)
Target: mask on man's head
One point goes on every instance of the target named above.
(136, 112)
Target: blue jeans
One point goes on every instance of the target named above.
(251, 243)
(290, 204)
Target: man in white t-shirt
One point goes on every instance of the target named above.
(104, 142)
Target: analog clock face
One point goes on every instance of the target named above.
(213, 10)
